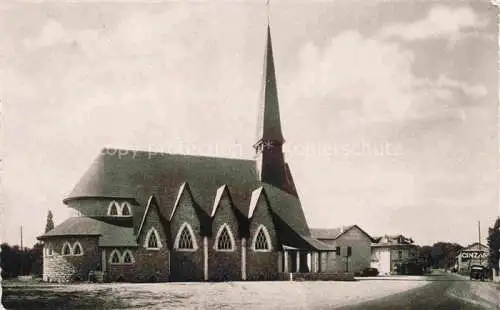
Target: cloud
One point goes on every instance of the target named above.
(51, 33)
(441, 21)
(373, 80)
(444, 87)
(372, 76)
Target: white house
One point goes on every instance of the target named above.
(388, 251)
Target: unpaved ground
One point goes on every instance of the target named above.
(445, 291)
(229, 295)
(480, 293)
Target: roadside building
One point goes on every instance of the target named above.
(474, 254)
(388, 252)
(352, 245)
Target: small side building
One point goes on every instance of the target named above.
(350, 240)
(389, 251)
(474, 254)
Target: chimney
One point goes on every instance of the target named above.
(342, 229)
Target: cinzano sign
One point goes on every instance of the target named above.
(473, 254)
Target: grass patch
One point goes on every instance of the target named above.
(46, 297)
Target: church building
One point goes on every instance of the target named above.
(146, 217)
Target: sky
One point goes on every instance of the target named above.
(389, 108)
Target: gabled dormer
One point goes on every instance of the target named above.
(152, 233)
(225, 222)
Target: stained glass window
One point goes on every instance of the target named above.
(127, 257)
(224, 242)
(77, 249)
(185, 240)
(261, 242)
(66, 250)
(113, 209)
(115, 257)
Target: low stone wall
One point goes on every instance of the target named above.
(321, 276)
(64, 269)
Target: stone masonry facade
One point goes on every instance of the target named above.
(61, 268)
(205, 262)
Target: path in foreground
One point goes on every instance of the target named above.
(445, 291)
(230, 295)
(434, 292)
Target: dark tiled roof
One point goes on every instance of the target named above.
(392, 240)
(318, 245)
(139, 175)
(475, 246)
(110, 235)
(334, 233)
(328, 233)
(287, 207)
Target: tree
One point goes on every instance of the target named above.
(50, 222)
(494, 245)
(16, 262)
(441, 254)
(424, 255)
(36, 259)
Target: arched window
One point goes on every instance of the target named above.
(224, 240)
(261, 240)
(126, 209)
(114, 258)
(48, 250)
(185, 240)
(152, 241)
(128, 258)
(77, 248)
(66, 249)
(113, 208)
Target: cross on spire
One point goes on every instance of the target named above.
(267, 11)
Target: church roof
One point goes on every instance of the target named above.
(109, 234)
(139, 174)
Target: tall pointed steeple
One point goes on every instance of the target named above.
(269, 124)
(270, 159)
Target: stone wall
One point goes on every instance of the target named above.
(149, 266)
(169, 263)
(59, 268)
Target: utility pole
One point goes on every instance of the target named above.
(479, 246)
(22, 251)
(349, 253)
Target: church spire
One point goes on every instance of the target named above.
(270, 159)
(269, 125)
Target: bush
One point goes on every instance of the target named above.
(411, 268)
(369, 272)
